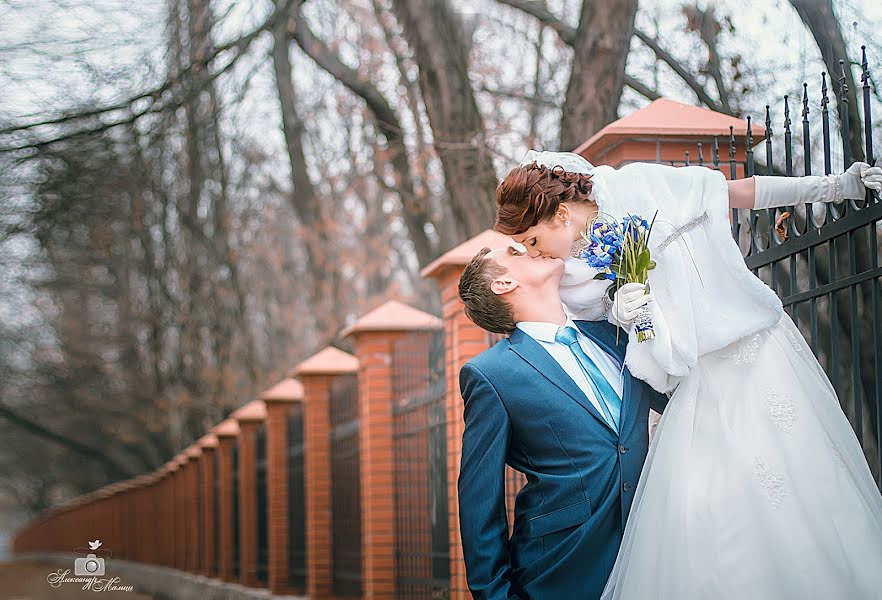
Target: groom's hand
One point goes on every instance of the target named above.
(627, 302)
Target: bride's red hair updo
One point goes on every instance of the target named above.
(530, 194)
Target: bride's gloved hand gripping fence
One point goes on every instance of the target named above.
(773, 192)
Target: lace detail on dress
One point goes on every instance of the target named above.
(781, 409)
(797, 345)
(772, 483)
(578, 247)
(744, 351)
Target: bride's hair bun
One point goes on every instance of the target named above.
(530, 194)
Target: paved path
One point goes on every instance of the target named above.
(29, 581)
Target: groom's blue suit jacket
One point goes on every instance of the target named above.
(522, 409)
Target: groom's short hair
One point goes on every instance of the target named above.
(483, 307)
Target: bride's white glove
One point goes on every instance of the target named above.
(772, 191)
(626, 304)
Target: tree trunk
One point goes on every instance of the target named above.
(819, 17)
(414, 210)
(305, 201)
(600, 50)
(434, 33)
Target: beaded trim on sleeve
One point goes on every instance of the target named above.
(683, 229)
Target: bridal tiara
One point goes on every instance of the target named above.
(569, 161)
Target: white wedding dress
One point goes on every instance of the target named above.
(755, 486)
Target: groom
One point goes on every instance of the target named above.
(553, 402)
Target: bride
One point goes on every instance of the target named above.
(755, 486)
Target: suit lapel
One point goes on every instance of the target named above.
(532, 352)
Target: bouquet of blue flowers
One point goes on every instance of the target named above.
(619, 250)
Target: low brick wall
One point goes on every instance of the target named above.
(162, 583)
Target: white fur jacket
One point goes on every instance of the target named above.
(705, 297)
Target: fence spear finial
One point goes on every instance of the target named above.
(786, 114)
(805, 106)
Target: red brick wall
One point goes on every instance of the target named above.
(277, 494)
(225, 506)
(247, 503)
(374, 352)
(317, 468)
(208, 541)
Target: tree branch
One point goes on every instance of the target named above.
(641, 88)
(537, 10)
(568, 35)
(681, 71)
(239, 46)
(114, 469)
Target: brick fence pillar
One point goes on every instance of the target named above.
(179, 477)
(226, 432)
(169, 536)
(317, 373)
(375, 336)
(464, 340)
(250, 417)
(208, 540)
(278, 400)
(193, 548)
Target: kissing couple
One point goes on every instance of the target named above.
(754, 486)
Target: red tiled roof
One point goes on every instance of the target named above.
(664, 117)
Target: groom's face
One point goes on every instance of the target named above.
(523, 274)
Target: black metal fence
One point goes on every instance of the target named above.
(262, 572)
(345, 488)
(296, 499)
(822, 260)
(422, 556)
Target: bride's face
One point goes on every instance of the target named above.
(549, 239)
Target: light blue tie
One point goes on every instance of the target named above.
(607, 397)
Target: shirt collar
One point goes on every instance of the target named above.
(542, 331)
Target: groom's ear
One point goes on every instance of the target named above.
(503, 285)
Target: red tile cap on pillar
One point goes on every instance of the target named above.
(667, 118)
(461, 255)
(226, 428)
(287, 390)
(169, 467)
(251, 412)
(330, 361)
(193, 452)
(394, 316)
(209, 440)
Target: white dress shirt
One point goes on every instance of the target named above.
(545, 333)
